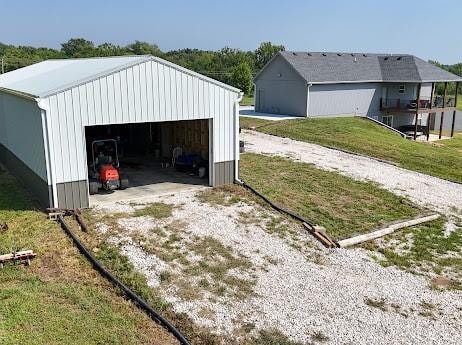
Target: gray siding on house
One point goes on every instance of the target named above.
(447, 121)
(391, 91)
(280, 90)
(404, 119)
(362, 99)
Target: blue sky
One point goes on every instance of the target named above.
(428, 29)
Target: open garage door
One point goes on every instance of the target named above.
(131, 162)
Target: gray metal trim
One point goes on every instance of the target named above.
(223, 173)
(18, 94)
(33, 183)
(73, 194)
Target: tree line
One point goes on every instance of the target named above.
(232, 66)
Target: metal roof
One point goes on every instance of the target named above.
(52, 76)
(318, 67)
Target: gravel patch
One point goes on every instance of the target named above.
(432, 192)
(300, 292)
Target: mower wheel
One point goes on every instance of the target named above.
(123, 183)
(93, 187)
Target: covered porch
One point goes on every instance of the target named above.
(428, 113)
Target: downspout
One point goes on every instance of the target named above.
(308, 86)
(44, 110)
(236, 136)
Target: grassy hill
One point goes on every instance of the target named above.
(59, 299)
(442, 159)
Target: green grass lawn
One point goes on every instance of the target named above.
(342, 205)
(252, 123)
(247, 100)
(59, 299)
(346, 207)
(442, 159)
(459, 102)
(424, 248)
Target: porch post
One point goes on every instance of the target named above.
(442, 112)
(454, 112)
(428, 126)
(432, 95)
(419, 86)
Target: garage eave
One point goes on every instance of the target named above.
(19, 94)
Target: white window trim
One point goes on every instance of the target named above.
(402, 89)
(387, 117)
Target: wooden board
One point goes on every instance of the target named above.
(385, 231)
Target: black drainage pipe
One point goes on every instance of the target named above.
(141, 303)
(273, 205)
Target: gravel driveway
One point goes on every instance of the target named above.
(425, 190)
(306, 292)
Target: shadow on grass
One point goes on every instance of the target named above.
(13, 196)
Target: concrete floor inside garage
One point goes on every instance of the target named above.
(144, 149)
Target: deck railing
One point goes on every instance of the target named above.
(424, 103)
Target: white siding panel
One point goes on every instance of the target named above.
(21, 132)
(155, 89)
(162, 98)
(124, 97)
(118, 110)
(103, 87)
(98, 114)
(111, 98)
(142, 85)
(137, 93)
(55, 138)
(77, 128)
(66, 143)
(150, 92)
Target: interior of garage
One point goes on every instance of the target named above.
(154, 157)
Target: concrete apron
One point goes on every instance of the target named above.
(150, 183)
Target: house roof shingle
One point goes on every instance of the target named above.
(359, 67)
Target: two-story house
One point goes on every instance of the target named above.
(402, 91)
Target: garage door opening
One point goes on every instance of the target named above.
(154, 158)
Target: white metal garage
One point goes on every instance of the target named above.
(45, 108)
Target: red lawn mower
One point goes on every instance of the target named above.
(105, 172)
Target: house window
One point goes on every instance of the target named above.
(388, 120)
(402, 89)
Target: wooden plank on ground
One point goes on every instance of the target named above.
(385, 231)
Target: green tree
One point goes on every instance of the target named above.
(241, 77)
(144, 48)
(78, 47)
(109, 49)
(265, 52)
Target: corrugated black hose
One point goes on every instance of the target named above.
(273, 205)
(141, 303)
